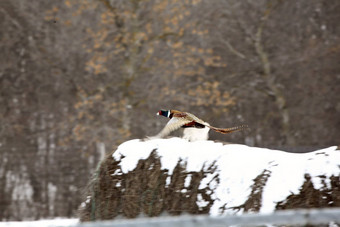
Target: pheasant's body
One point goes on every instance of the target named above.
(180, 119)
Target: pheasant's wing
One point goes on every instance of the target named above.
(172, 125)
(229, 130)
(192, 117)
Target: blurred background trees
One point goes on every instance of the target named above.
(79, 77)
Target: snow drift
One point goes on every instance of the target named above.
(175, 176)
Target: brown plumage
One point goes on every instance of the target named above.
(180, 119)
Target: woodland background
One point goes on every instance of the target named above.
(79, 77)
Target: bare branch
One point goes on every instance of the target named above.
(233, 50)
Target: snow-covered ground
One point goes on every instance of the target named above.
(42, 223)
(237, 166)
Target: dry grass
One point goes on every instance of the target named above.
(309, 197)
(143, 191)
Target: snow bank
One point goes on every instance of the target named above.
(237, 166)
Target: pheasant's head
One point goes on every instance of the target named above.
(165, 113)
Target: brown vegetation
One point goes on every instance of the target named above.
(309, 197)
(144, 191)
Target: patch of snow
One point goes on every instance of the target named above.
(117, 172)
(184, 190)
(42, 223)
(237, 166)
(200, 201)
(168, 181)
(88, 199)
(187, 181)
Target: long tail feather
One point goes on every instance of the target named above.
(229, 130)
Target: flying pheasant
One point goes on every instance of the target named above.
(180, 119)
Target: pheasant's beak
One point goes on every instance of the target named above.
(157, 113)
